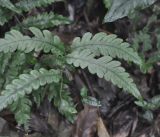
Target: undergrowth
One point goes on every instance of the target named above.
(32, 64)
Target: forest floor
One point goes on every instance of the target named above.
(118, 115)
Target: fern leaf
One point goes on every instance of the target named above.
(14, 40)
(44, 20)
(142, 37)
(39, 95)
(26, 83)
(9, 5)
(22, 110)
(106, 45)
(16, 65)
(151, 104)
(122, 8)
(4, 61)
(4, 64)
(105, 68)
(27, 5)
(5, 16)
(63, 101)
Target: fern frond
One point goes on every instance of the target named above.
(14, 67)
(39, 95)
(105, 68)
(122, 8)
(14, 40)
(106, 45)
(44, 20)
(9, 5)
(62, 100)
(142, 37)
(27, 5)
(22, 110)
(151, 104)
(4, 61)
(5, 16)
(26, 83)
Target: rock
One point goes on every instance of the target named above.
(4, 129)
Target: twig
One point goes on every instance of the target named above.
(88, 83)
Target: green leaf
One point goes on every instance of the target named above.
(26, 83)
(14, 40)
(4, 61)
(105, 68)
(14, 67)
(121, 8)
(9, 5)
(142, 37)
(44, 20)
(27, 5)
(88, 99)
(104, 44)
(5, 16)
(8, 9)
(152, 104)
(22, 110)
(63, 101)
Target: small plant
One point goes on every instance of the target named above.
(92, 52)
(89, 99)
(33, 63)
(147, 43)
(143, 43)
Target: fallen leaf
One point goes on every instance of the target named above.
(102, 131)
(86, 124)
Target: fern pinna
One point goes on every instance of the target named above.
(93, 52)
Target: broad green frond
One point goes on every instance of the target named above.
(106, 45)
(121, 8)
(9, 5)
(44, 20)
(105, 68)
(26, 83)
(27, 5)
(22, 110)
(14, 40)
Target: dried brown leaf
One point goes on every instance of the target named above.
(102, 131)
(86, 124)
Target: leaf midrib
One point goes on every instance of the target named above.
(109, 45)
(29, 39)
(101, 66)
